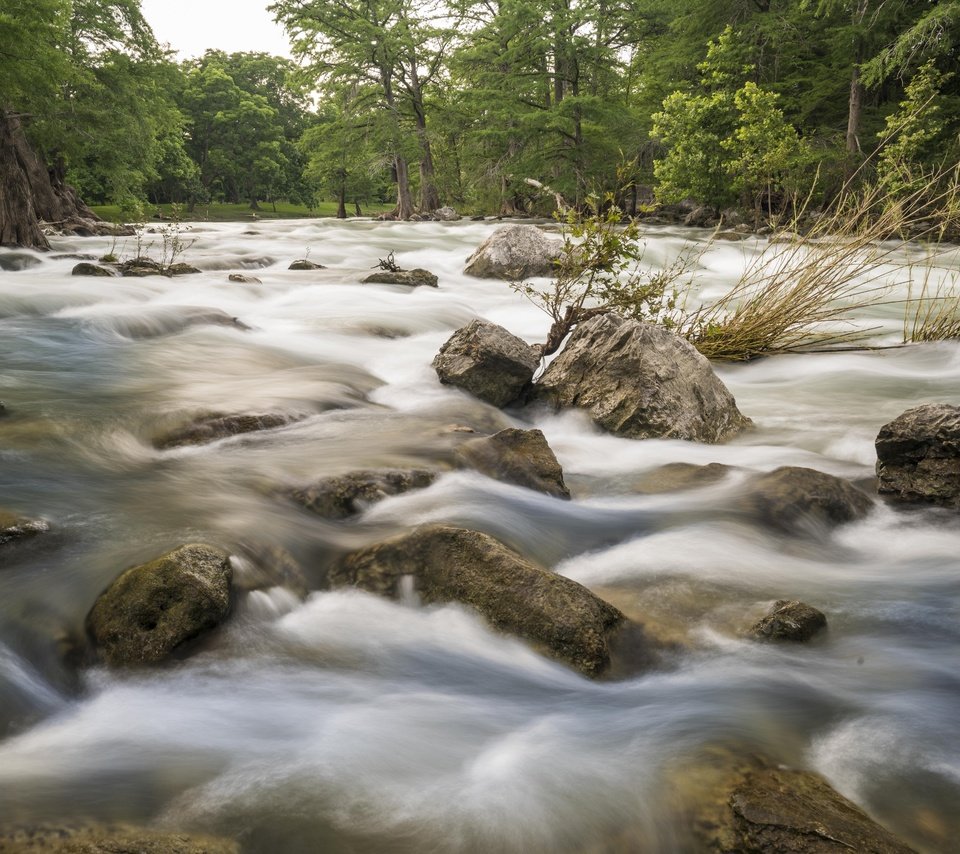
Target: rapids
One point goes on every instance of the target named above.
(348, 723)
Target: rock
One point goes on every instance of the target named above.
(918, 456)
(108, 839)
(181, 269)
(244, 280)
(260, 566)
(13, 262)
(801, 500)
(784, 811)
(446, 214)
(521, 457)
(85, 268)
(702, 216)
(14, 527)
(487, 361)
(731, 235)
(515, 252)
(304, 264)
(151, 610)
(411, 278)
(73, 256)
(349, 494)
(447, 564)
(210, 428)
(641, 381)
(674, 477)
(170, 320)
(789, 621)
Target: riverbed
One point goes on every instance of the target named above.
(344, 722)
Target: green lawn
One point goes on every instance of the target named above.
(238, 213)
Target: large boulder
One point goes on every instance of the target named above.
(349, 494)
(767, 810)
(410, 278)
(521, 457)
(109, 839)
(799, 500)
(151, 610)
(918, 456)
(641, 381)
(555, 614)
(515, 252)
(487, 361)
(789, 621)
(15, 527)
(211, 428)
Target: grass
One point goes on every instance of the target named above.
(222, 212)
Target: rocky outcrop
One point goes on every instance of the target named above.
(555, 614)
(349, 494)
(515, 252)
(918, 456)
(789, 621)
(150, 611)
(446, 214)
(210, 428)
(803, 501)
(487, 361)
(86, 268)
(108, 839)
(304, 264)
(766, 810)
(521, 457)
(641, 381)
(14, 527)
(410, 278)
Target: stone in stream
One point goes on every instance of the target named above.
(675, 477)
(446, 214)
(556, 615)
(215, 426)
(800, 500)
(304, 264)
(760, 809)
(487, 361)
(92, 838)
(515, 252)
(14, 262)
(181, 269)
(151, 610)
(86, 268)
(350, 494)
(239, 278)
(410, 278)
(170, 320)
(918, 456)
(521, 457)
(789, 621)
(14, 527)
(640, 381)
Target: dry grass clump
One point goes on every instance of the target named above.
(934, 315)
(803, 291)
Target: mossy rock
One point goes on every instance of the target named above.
(152, 610)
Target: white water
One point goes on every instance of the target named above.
(347, 723)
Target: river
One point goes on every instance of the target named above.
(348, 723)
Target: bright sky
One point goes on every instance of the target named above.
(191, 26)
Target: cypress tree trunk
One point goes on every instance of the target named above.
(404, 209)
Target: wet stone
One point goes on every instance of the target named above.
(86, 268)
(212, 427)
(410, 278)
(304, 264)
(14, 527)
(789, 621)
(349, 494)
(521, 457)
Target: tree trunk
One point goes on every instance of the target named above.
(18, 217)
(342, 201)
(404, 209)
(356, 207)
(854, 109)
(429, 197)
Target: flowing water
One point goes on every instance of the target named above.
(344, 722)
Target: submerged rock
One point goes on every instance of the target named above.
(260, 566)
(487, 361)
(521, 457)
(244, 280)
(86, 268)
(170, 320)
(210, 428)
(109, 839)
(14, 262)
(151, 610)
(410, 278)
(801, 500)
(764, 810)
(674, 477)
(515, 252)
(641, 381)
(14, 527)
(181, 269)
(304, 264)
(918, 456)
(555, 614)
(349, 494)
(790, 621)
